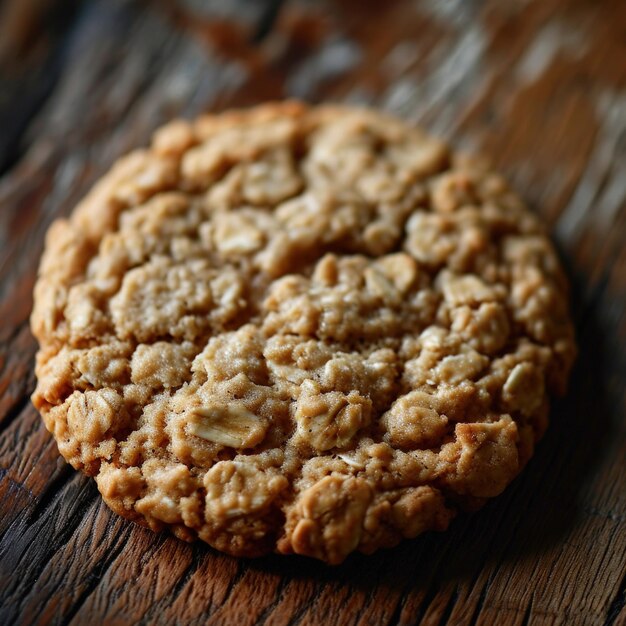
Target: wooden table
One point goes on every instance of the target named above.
(539, 86)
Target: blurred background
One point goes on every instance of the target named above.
(537, 81)
(538, 86)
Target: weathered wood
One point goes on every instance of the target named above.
(539, 86)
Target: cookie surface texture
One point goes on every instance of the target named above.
(308, 330)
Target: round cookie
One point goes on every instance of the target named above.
(307, 330)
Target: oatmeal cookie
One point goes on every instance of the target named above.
(307, 330)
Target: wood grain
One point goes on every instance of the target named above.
(539, 86)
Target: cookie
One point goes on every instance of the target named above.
(298, 329)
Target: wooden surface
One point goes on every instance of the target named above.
(539, 86)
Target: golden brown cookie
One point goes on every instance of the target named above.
(293, 329)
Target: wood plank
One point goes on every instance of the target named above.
(537, 86)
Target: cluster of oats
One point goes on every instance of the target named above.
(308, 330)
